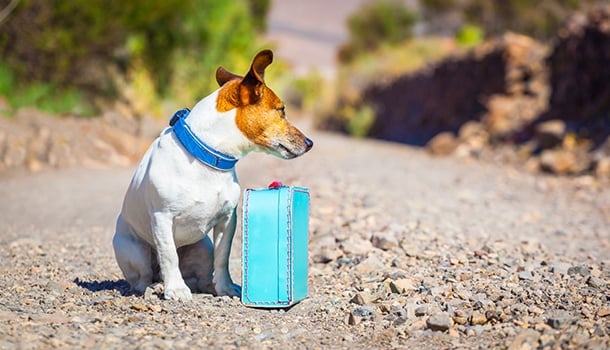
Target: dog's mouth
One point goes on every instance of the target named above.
(286, 152)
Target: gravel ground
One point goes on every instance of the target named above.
(405, 251)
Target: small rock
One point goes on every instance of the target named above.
(550, 133)
(561, 161)
(479, 253)
(460, 319)
(603, 312)
(422, 310)
(139, 307)
(362, 313)
(578, 270)
(400, 313)
(518, 308)
(241, 330)
(372, 264)
(384, 241)
(353, 320)
(602, 168)
(442, 144)
(560, 318)
(325, 255)
(356, 246)
(477, 318)
(527, 339)
(560, 267)
(403, 285)
(53, 286)
(155, 308)
(149, 293)
(596, 282)
(362, 298)
(439, 322)
(526, 275)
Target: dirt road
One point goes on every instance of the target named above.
(461, 238)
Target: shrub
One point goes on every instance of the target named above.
(259, 10)
(539, 19)
(469, 35)
(176, 45)
(384, 21)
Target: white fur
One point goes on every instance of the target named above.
(172, 203)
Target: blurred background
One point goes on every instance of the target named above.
(522, 81)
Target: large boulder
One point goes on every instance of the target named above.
(579, 66)
(414, 108)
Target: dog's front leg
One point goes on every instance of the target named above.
(223, 237)
(173, 284)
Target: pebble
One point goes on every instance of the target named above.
(362, 298)
(603, 312)
(560, 319)
(560, 267)
(439, 322)
(384, 241)
(578, 270)
(478, 318)
(526, 275)
(596, 282)
(403, 285)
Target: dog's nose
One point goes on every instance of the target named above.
(308, 143)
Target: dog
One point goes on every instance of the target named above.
(177, 195)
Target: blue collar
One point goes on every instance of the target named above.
(196, 147)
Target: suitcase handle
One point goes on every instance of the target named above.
(275, 185)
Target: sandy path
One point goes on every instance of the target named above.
(442, 219)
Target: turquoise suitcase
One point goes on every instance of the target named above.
(275, 225)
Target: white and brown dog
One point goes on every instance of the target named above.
(186, 185)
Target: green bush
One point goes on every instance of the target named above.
(74, 43)
(45, 96)
(469, 35)
(539, 19)
(259, 10)
(384, 21)
(360, 120)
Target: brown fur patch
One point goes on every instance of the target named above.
(258, 121)
(228, 96)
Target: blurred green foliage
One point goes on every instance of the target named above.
(175, 45)
(383, 21)
(360, 120)
(259, 10)
(539, 19)
(45, 96)
(469, 35)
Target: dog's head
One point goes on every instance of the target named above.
(260, 114)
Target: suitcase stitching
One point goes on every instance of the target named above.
(290, 280)
(245, 257)
(245, 238)
(306, 191)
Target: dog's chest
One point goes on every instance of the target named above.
(206, 207)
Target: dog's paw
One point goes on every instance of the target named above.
(231, 289)
(177, 291)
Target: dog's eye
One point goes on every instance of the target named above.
(283, 111)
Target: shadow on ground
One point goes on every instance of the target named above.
(122, 286)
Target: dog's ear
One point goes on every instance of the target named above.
(223, 76)
(251, 84)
